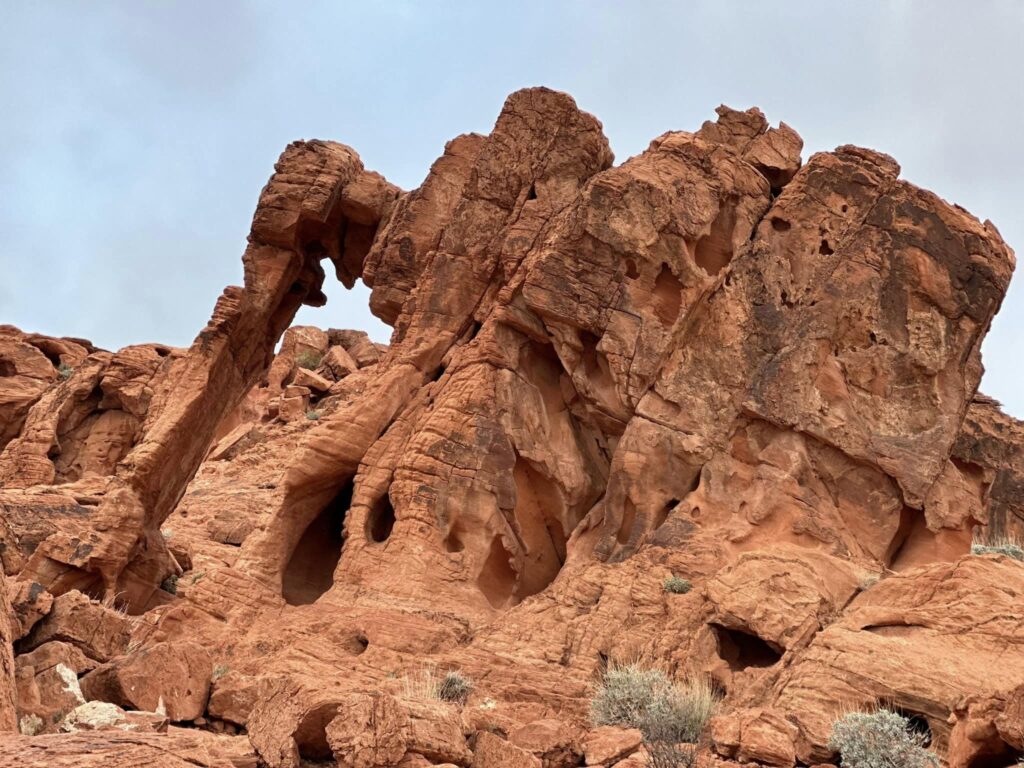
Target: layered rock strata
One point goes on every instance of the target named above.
(712, 361)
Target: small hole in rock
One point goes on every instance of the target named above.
(825, 249)
(381, 520)
(631, 271)
(532, 193)
(780, 225)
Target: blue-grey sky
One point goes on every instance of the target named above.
(135, 136)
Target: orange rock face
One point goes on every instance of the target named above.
(712, 361)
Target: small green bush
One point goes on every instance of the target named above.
(1007, 547)
(64, 371)
(219, 671)
(881, 739)
(313, 415)
(664, 711)
(307, 358)
(454, 687)
(170, 584)
(677, 586)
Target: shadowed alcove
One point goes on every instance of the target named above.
(741, 650)
(310, 569)
(381, 520)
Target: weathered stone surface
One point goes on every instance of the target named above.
(102, 716)
(554, 741)
(8, 687)
(48, 686)
(755, 736)
(492, 751)
(608, 744)
(711, 362)
(28, 604)
(99, 632)
(379, 731)
(920, 641)
(170, 677)
(118, 749)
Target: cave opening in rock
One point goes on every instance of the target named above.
(310, 570)
(916, 723)
(742, 650)
(381, 520)
(997, 755)
(311, 736)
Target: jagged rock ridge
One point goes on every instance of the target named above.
(711, 361)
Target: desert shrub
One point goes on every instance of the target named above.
(313, 415)
(665, 712)
(1000, 546)
(454, 687)
(677, 586)
(868, 582)
(664, 755)
(30, 725)
(219, 671)
(881, 739)
(64, 371)
(426, 685)
(170, 584)
(307, 358)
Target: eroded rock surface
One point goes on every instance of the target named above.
(711, 361)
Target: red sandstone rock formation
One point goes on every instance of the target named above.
(709, 361)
